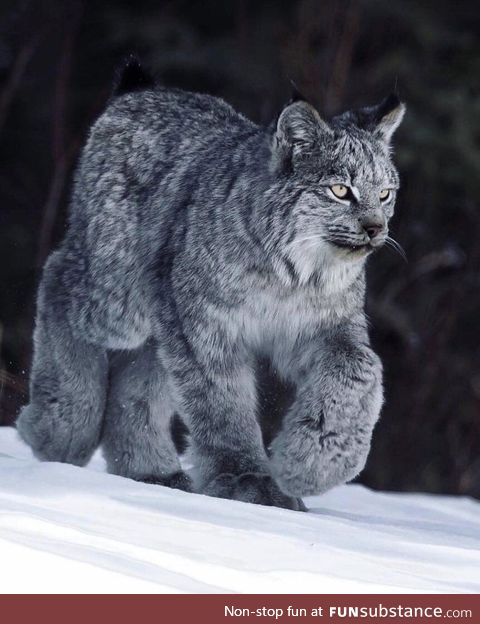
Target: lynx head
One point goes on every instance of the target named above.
(340, 179)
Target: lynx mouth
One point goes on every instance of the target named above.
(365, 247)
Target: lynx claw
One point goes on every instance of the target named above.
(251, 487)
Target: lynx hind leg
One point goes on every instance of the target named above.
(68, 382)
(137, 441)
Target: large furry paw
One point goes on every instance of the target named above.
(306, 461)
(51, 439)
(252, 488)
(178, 481)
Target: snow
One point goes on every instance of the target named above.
(65, 529)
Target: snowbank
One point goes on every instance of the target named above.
(69, 530)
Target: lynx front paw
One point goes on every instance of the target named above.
(306, 461)
(52, 435)
(252, 488)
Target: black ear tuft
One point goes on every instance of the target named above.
(132, 77)
(386, 106)
(297, 95)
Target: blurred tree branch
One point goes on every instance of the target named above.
(63, 149)
(15, 77)
(343, 58)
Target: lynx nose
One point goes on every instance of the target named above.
(372, 228)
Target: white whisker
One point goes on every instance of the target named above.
(395, 245)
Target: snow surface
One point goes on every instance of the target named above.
(65, 529)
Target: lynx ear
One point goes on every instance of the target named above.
(298, 128)
(387, 117)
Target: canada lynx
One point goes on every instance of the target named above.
(197, 243)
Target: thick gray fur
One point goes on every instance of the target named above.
(197, 243)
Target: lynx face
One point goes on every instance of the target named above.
(344, 179)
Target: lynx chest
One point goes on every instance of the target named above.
(277, 317)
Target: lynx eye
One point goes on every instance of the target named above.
(340, 190)
(384, 195)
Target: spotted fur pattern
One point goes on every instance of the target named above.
(197, 243)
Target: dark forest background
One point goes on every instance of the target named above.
(57, 62)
